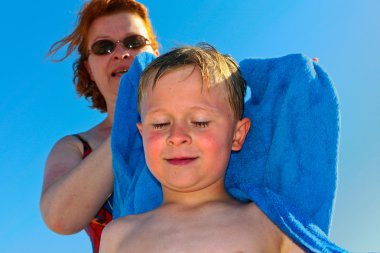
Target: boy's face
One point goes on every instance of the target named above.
(188, 133)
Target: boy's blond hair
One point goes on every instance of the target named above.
(214, 66)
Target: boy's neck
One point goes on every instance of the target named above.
(196, 198)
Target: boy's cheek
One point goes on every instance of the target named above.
(154, 145)
(153, 140)
(212, 139)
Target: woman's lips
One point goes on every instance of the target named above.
(118, 73)
(181, 160)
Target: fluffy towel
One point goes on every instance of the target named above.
(288, 164)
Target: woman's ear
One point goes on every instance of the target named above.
(139, 127)
(241, 131)
(88, 68)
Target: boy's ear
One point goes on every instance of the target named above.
(139, 127)
(241, 131)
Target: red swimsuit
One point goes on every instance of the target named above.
(103, 217)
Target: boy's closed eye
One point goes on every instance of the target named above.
(201, 124)
(160, 125)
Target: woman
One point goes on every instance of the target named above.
(78, 180)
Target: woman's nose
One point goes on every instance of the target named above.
(121, 52)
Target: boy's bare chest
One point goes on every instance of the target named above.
(201, 234)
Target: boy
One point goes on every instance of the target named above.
(191, 104)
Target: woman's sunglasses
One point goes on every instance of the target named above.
(134, 42)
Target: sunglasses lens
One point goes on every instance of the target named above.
(102, 47)
(135, 42)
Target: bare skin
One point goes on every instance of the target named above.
(218, 226)
(187, 149)
(74, 188)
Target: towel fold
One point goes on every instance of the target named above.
(288, 164)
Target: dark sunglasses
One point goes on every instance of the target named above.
(134, 42)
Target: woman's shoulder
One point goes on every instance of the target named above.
(69, 142)
(72, 143)
(93, 137)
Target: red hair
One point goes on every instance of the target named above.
(77, 40)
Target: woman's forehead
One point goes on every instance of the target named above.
(116, 25)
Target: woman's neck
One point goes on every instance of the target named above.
(110, 113)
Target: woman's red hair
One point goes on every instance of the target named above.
(78, 40)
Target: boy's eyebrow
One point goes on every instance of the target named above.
(203, 108)
(193, 108)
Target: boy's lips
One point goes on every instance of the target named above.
(181, 160)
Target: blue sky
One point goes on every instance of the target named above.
(39, 104)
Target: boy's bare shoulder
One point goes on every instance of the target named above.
(125, 225)
(285, 243)
(116, 231)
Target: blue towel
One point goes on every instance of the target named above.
(288, 164)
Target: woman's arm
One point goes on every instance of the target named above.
(75, 189)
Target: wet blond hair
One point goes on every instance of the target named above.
(215, 68)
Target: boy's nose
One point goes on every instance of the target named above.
(178, 135)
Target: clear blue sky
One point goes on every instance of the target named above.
(39, 105)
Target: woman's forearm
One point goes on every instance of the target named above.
(74, 189)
